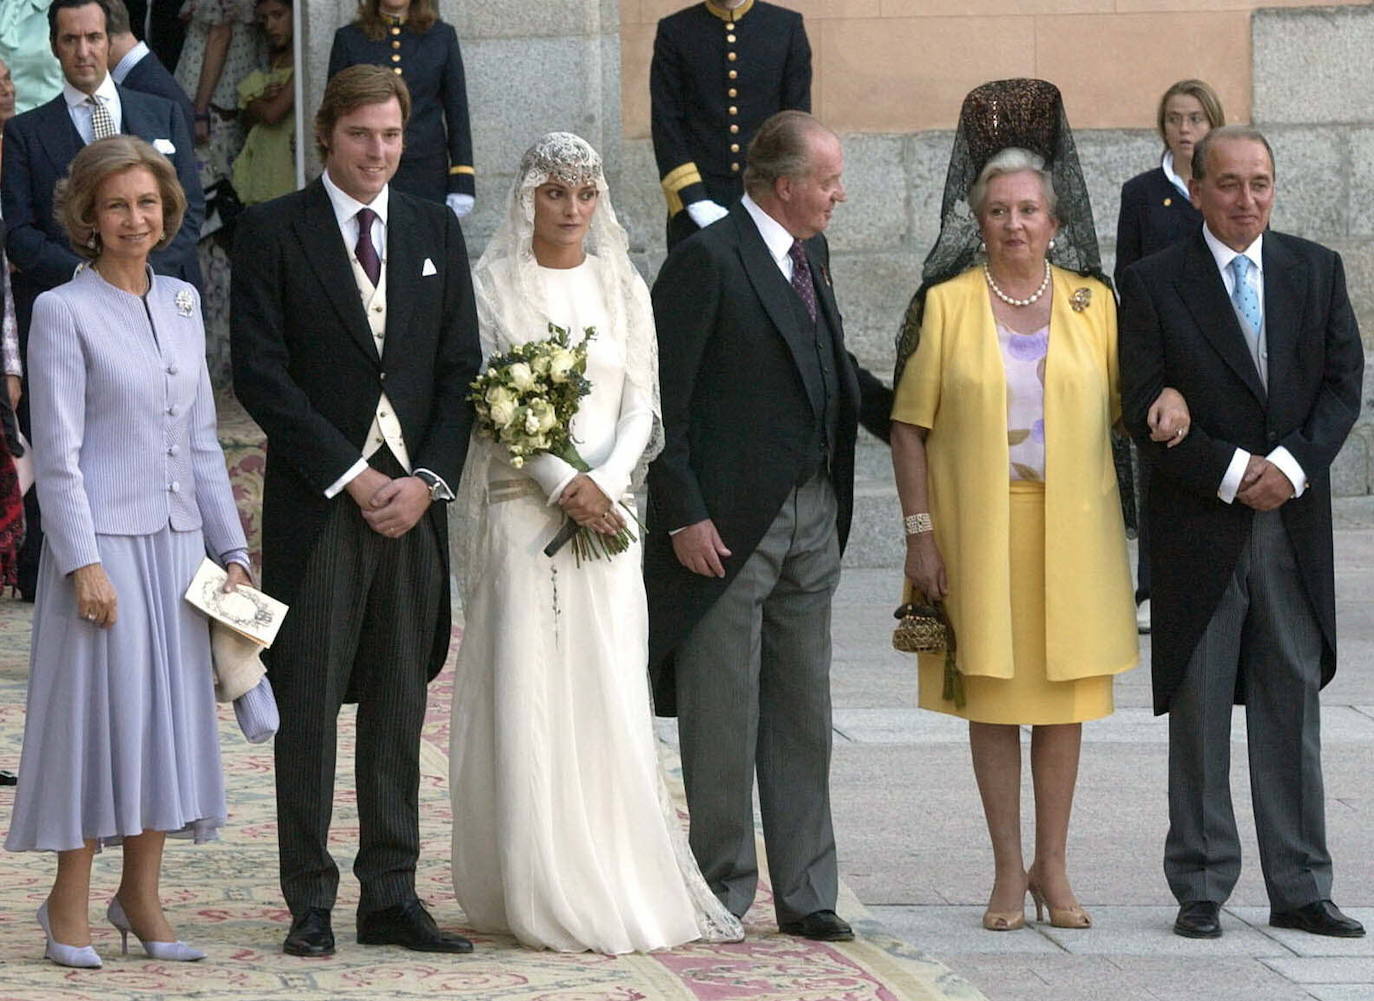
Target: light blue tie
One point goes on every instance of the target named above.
(1245, 297)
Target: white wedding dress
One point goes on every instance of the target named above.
(563, 833)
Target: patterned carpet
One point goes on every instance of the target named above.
(223, 898)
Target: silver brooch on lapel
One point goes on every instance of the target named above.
(185, 302)
(1080, 299)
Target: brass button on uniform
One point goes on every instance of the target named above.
(734, 128)
(396, 70)
(733, 74)
(395, 44)
(395, 29)
(395, 57)
(735, 167)
(730, 39)
(732, 92)
(732, 56)
(734, 110)
(734, 147)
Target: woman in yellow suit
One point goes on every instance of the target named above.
(1006, 396)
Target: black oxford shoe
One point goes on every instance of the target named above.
(1319, 918)
(822, 926)
(1198, 919)
(410, 926)
(310, 934)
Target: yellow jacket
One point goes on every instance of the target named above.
(955, 385)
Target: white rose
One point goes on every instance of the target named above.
(545, 414)
(531, 422)
(540, 364)
(499, 394)
(503, 412)
(561, 364)
(517, 461)
(520, 376)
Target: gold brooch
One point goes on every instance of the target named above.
(1080, 299)
(185, 301)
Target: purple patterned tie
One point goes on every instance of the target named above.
(366, 252)
(801, 278)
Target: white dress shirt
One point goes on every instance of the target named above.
(385, 424)
(1167, 165)
(1280, 456)
(107, 94)
(775, 237)
(129, 61)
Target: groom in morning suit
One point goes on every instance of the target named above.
(749, 508)
(1255, 329)
(354, 341)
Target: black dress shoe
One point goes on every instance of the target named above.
(408, 925)
(1320, 918)
(310, 934)
(8, 778)
(823, 926)
(1198, 919)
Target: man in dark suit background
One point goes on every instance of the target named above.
(137, 67)
(720, 69)
(749, 509)
(39, 146)
(1255, 329)
(354, 336)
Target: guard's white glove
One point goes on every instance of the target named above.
(460, 204)
(705, 212)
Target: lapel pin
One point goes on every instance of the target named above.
(185, 301)
(1168, 202)
(1080, 299)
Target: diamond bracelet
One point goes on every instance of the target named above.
(918, 524)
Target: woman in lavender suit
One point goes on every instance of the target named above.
(120, 743)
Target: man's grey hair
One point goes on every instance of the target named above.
(1012, 160)
(780, 148)
(1227, 132)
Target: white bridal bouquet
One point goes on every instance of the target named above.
(526, 399)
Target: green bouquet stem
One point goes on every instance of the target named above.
(587, 543)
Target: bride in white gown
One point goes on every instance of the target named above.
(563, 832)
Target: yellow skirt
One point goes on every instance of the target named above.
(1027, 698)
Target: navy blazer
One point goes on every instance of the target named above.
(1154, 215)
(149, 76)
(39, 147)
(438, 154)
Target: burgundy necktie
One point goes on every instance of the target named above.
(801, 278)
(366, 252)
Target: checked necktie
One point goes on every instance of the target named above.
(801, 278)
(102, 125)
(365, 251)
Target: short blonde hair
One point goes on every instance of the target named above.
(91, 167)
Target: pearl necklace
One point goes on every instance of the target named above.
(987, 273)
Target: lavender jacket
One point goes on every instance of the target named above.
(124, 429)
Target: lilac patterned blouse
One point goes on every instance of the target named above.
(1023, 358)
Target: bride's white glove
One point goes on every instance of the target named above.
(705, 212)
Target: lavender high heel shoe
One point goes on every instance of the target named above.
(83, 957)
(174, 952)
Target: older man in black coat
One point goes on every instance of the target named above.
(750, 505)
(1255, 329)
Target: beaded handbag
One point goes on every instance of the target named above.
(923, 627)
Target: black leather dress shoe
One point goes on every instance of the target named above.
(310, 934)
(8, 778)
(1320, 918)
(823, 926)
(408, 925)
(1198, 919)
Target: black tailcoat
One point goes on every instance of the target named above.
(307, 370)
(1178, 328)
(738, 417)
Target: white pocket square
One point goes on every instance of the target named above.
(428, 269)
(164, 146)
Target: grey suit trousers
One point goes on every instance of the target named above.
(1265, 636)
(753, 692)
(361, 626)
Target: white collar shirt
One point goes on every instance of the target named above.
(1224, 255)
(775, 237)
(1167, 165)
(130, 60)
(80, 111)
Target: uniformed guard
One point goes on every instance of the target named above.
(720, 69)
(408, 38)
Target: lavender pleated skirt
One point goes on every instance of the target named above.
(121, 734)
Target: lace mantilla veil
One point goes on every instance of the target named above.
(511, 310)
(1024, 113)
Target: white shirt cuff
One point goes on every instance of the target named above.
(1235, 472)
(354, 471)
(1291, 468)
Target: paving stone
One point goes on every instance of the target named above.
(944, 930)
(1325, 970)
(1148, 931)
